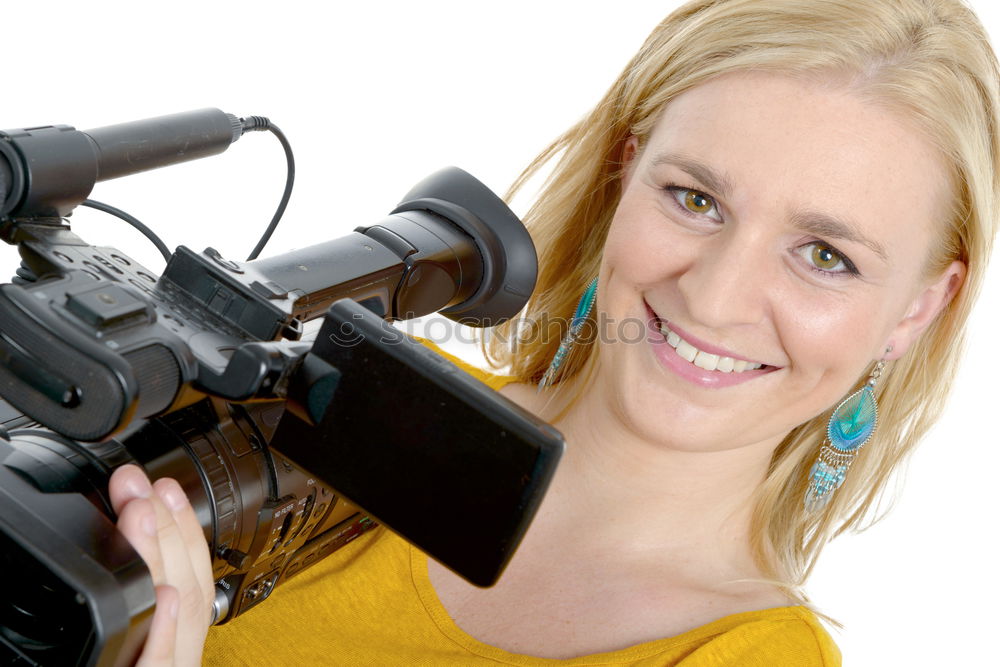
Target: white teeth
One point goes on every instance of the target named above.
(672, 338)
(686, 350)
(705, 360)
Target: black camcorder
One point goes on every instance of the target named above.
(287, 449)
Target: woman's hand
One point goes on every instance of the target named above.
(161, 525)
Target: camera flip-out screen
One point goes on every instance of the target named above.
(435, 454)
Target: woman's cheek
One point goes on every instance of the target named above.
(824, 335)
(647, 245)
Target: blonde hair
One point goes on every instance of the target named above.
(928, 60)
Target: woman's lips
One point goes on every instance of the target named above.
(702, 345)
(687, 370)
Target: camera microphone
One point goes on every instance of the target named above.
(47, 171)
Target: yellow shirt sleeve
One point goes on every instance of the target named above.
(372, 603)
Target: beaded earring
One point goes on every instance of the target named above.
(851, 426)
(583, 309)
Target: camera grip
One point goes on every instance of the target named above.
(63, 378)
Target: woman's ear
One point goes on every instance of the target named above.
(925, 307)
(630, 151)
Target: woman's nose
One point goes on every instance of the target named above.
(727, 281)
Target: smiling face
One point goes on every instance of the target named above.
(767, 220)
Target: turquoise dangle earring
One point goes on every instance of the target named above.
(575, 327)
(851, 426)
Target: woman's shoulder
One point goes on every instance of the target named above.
(778, 636)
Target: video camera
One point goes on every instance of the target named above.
(287, 449)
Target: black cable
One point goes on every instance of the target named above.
(260, 124)
(146, 231)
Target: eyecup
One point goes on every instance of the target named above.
(510, 265)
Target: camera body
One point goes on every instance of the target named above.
(283, 446)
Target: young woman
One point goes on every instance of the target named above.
(794, 201)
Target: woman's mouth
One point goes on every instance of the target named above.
(703, 359)
(690, 359)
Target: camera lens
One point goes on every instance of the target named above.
(41, 618)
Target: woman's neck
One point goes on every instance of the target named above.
(617, 490)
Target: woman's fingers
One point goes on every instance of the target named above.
(181, 568)
(161, 525)
(159, 650)
(190, 531)
(128, 483)
(137, 521)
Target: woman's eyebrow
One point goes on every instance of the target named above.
(715, 181)
(816, 223)
(828, 227)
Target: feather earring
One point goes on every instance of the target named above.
(583, 309)
(851, 426)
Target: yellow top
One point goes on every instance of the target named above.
(372, 603)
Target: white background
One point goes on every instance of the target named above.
(375, 97)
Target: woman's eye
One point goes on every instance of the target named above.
(694, 202)
(826, 259)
